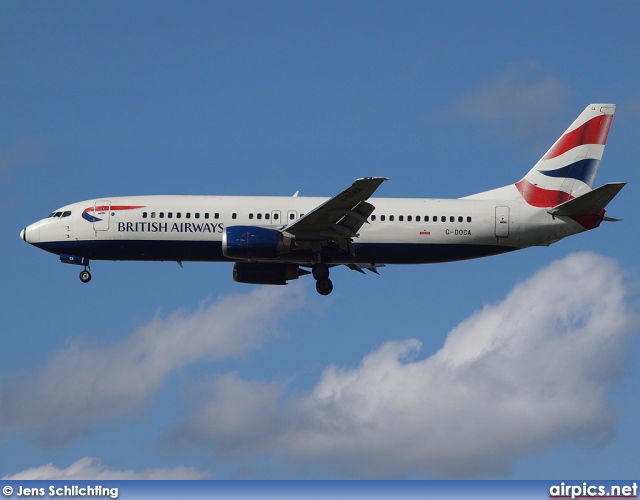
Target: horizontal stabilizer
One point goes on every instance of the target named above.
(589, 203)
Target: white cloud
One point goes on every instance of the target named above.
(93, 468)
(518, 376)
(244, 412)
(517, 102)
(82, 384)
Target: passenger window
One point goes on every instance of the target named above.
(435, 218)
(401, 218)
(443, 219)
(161, 215)
(266, 216)
(417, 218)
(373, 217)
(291, 216)
(144, 215)
(233, 216)
(206, 215)
(250, 216)
(452, 219)
(169, 215)
(275, 216)
(216, 215)
(197, 215)
(188, 215)
(468, 219)
(382, 218)
(391, 217)
(259, 216)
(460, 219)
(153, 215)
(408, 218)
(178, 215)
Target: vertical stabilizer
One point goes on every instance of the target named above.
(569, 168)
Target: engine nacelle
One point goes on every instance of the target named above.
(252, 242)
(264, 273)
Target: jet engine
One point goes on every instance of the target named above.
(263, 273)
(252, 242)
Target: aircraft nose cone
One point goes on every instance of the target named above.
(30, 234)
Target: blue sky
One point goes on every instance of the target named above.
(156, 371)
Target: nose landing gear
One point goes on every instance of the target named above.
(85, 276)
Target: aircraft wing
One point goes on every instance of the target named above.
(340, 217)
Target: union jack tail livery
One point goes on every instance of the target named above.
(568, 170)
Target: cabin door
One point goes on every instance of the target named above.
(101, 214)
(502, 222)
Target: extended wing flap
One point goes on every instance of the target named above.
(589, 203)
(369, 267)
(355, 218)
(341, 216)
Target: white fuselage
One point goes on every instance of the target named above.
(190, 228)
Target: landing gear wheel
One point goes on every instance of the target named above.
(320, 271)
(85, 276)
(324, 287)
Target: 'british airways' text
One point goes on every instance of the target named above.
(168, 227)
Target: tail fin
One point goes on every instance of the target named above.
(569, 168)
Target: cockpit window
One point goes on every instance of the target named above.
(59, 215)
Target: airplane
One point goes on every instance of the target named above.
(274, 239)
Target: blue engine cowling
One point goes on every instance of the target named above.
(252, 242)
(264, 273)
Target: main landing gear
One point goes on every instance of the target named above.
(320, 272)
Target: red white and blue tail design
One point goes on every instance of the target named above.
(569, 168)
